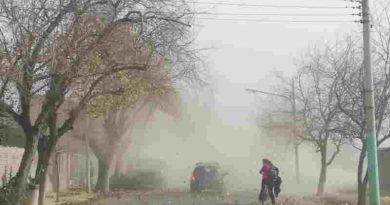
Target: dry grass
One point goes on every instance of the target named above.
(385, 201)
(68, 197)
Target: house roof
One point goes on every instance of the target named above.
(384, 149)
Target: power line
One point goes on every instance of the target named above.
(346, 1)
(270, 5)
(275, 14)
(281, 21)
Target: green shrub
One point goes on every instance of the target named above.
(137, 180)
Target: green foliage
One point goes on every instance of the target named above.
(9, 193)
(11, 134)
(136, 29)
(97, 34)
(80, 12)
(150, 46)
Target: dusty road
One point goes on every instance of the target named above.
(174, 197)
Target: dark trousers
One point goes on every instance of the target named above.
(267, 185)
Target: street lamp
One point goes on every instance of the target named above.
(293, 107)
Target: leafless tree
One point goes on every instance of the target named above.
(318, 118)
(350, 97)
(318, 80)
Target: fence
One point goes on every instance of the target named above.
(10, 158)
(71, 168)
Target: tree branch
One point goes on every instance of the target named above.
(169, 20)
(338, 145)
(68, 8)
(3, 88)
(65, 127)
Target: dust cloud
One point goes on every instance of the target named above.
(200, 135)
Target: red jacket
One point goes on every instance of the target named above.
(265, 171)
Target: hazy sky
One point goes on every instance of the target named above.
(245, 55)
(246, 52)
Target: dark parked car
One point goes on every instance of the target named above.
(207, 176)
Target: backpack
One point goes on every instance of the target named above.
(277, 180)
(274, 172)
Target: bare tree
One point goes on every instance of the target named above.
(350, 97)
(46, 52)
(318, 117)
(318, 81)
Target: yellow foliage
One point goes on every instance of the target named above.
(134, 90)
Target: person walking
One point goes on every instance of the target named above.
(267, 182)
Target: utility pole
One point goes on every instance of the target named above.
(372, 149)
(294, 115)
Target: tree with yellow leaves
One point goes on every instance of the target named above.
(83, 53)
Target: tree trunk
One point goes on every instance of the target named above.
(362, 179)
(103, 181)
(322, 178)
(362, 191)
(52, 174)
(106, 157)
(41, 173)
(19, 182)
(42, 188)
(297, 174)
(322, 181)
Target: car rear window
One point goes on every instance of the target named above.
(203, 170)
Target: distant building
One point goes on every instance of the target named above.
(384, 169)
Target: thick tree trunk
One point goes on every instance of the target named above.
(52, 176)
(41, 172)
(42, 188)
(103, 181)
(106, 158)
(19, 182)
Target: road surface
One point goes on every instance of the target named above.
(236, 198)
